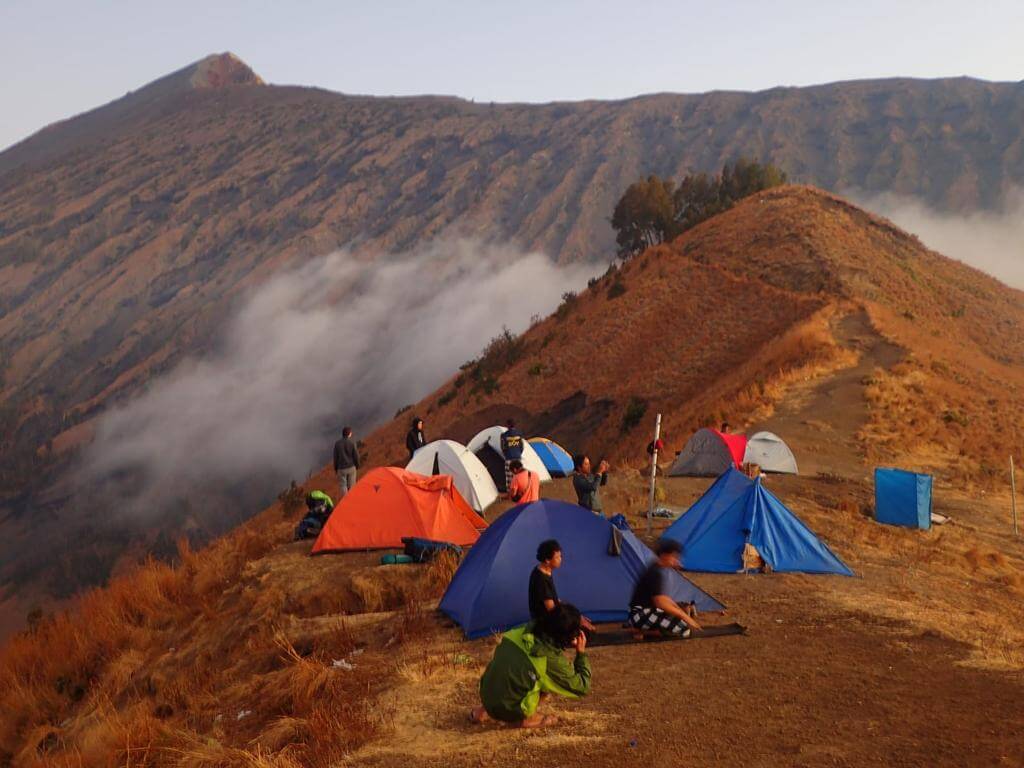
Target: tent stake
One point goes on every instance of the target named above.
(654, 472)
(1013, 497)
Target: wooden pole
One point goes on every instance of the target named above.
(1013, 497)
(654, 472)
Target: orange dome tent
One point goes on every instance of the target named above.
(389, 503)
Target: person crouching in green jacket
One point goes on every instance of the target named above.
(530, 663)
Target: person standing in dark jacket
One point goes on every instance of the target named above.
(346, 462)
(512, 441)
(588, 485)
(415, 439)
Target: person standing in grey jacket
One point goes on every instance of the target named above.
(588, 485)
(346, 462)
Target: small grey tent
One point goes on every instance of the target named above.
(709, 453)
(771, 453)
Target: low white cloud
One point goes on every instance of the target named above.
(337, 340)
(992, 241)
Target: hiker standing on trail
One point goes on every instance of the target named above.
(512, 441)
(415, 439)
(346, 462)
(529, 662)
(651, 608)
(588, 485)
(543, 597)
(524, 487)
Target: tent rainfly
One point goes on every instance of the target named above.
(770, 453)
(709, 453)
(739, 525)
(447, 457)
(388, 504)
(489, 591)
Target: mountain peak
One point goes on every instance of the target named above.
(221, 69)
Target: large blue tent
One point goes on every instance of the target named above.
(556, 459)
(736, 511)
(903, 498)
(489, 591)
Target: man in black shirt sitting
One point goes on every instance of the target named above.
(651, 608)
(543, 595)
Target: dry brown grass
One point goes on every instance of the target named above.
(206, 663)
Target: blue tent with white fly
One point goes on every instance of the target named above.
(903, 498)
(556, 459)
(600, 566)
(737, 511)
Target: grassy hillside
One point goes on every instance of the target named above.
(129, 233)
(716, 325)
(794, 311)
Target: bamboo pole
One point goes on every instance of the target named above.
(654, 472)
(1013, 497)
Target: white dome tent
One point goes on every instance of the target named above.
(486, 446)
(770, 453)
(447, 457)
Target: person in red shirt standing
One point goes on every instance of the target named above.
(524, 487)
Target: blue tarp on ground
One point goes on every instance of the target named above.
(556, 459)
(489, 591)
(903, 498)
(736, 510)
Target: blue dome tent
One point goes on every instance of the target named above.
(555, 457)
(489, 591)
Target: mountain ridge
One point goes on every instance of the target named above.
(124, 255)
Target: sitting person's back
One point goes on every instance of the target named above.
(524, 487)
(529, 661)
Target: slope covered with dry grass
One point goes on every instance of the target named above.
(794, 311)
(128, 234)
(717, 324)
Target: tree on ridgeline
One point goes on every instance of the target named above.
(655, 210)
(644, 215)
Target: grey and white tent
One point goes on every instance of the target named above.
(470, 477)
(706, 454)
(771, 453)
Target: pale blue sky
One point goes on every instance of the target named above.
(65, 56)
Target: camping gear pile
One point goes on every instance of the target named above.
(318, 509)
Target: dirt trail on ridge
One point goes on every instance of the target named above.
(819, 420)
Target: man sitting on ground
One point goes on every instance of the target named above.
(524, 487)
(530, 661)
(651, 608)
(543, 597)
